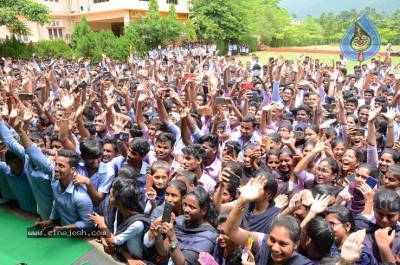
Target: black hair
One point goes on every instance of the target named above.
(90, 113)
(163, 128)
(229, 188)
(309, 143)
(140, 145)
(236, 146)
(250, 118)
(271, 186)
(167, 104)
(126, 194)
(288, 117)
(166, 137)
(387, 200)
(395, 170)
(179, 185)
(373, 170)
(128, 171)
(212, 139)
(159, 164)
(91, 147)
(135, 131)
(9, 155)
(358, 154)
(343, 214)
(90, 127)
(197, 150)
(235, 167)
(336, 142)
(363, 107)
(353, 100)
(36, 136)
(354, 117)
(205, 202)
(235, 257)
(313, 127)
(381, 124)
(321, 234)
(306, 108)
(110, 140)
(333, 164)
(73, 158)
(330, 260)
(189, 177)
(322, 189)
(291, 224)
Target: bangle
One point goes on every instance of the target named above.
(158, 240)
(239, 207)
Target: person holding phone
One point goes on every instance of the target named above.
(383, 226)
(156, 184)
(355, 194)
(192, 233)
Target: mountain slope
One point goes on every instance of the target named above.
(302, 8)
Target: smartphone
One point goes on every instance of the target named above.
(299, 135)
(82, 84)
(360, 132)
(149, 182)
(271, 59)
(220, 101)
(255, 95)
(166, 216)
(46, 230)
(331, 116)
(207, 111)
(257, 145)
(165, 92)
(351, 177)
(106, 75)
(126, 79)
(117, 108)
(247, 248)
(234, 179)
(82, 65)
(188, 76)
(25, 96)
(247, 86)
(266, 141)
(123, 137)
(371, 182)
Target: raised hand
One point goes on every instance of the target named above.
(253, 189)
(143, 85)
(390, 114)
(28, 113)
(320, 203)
(67, 102)
(352, 247)
(373, 112)
(281, 201)
(111, 101)
(327, 124)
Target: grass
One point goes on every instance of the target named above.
(325, 58)
(337, 48)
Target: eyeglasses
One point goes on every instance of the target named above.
(322, 170)
(222, 233)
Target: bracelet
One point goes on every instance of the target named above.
(158, 240)
(239, 207)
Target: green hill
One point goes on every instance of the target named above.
(302, 8)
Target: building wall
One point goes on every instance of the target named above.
(99, 15)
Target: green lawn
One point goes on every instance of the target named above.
(337, 48)
(326, 58)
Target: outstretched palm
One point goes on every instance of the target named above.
(254, 189)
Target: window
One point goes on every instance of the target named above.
(99, 1)
(175, 2)
(55, 34)
(21, 38)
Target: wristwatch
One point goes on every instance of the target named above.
(173, 245)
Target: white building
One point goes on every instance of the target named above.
(100, 14)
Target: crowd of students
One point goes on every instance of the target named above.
(286, 162)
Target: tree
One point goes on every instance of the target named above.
(152, 25)
(172, 27)
(84, 42)
(54, 48)
(12, 10)
(190, 31)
